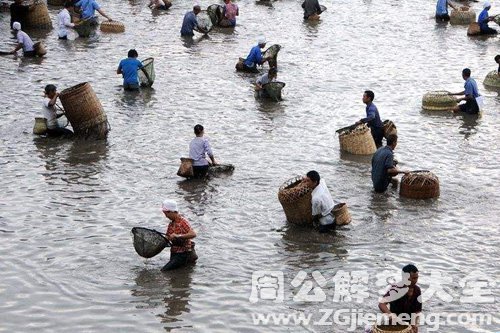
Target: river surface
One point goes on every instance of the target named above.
(67, 263)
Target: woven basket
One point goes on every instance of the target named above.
(473, 29)
(112, 26)
(341, 213)
(358, 140)
(419, 185)
(56, 2)
(492, 79)
(273, 89)
(438, 101)
(84, 111)
(40, 127)
(391, 329)
(39, 48)
(295, 198)
(389, 128)
(462, 16)
(39, 17)
(186, 168)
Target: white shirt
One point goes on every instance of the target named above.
(321, 201)
(264, 79)
(49, 113)
(24, 39)
(64, 20)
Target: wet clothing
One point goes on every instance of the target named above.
(382, 160)
(24, 39)
(88, 8)
(405, 304)
(482, 20)
(129, 68)
(311, 7)
(64, 21)
(230, 12)
(188, 24)
(254, 57)
(18, 13)
(373, 121)
(322, 203)
(471, 90)
(199, 148)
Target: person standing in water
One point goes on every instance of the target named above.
(128, 68)
(372, 118)
(199, 149)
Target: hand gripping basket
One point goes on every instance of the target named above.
(84, 111)
(357, 140)
(39, 18)
(341, 213)
(112, 26)
(391, 329)
(438, 101)
(273, 89)
(492, 79)
(419, 185)
(295, 198)
(462, 16)
(389, 128)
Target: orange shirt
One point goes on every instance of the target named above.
(180, 227)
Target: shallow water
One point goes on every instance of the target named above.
(67, 261)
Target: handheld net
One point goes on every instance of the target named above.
(215, 12)
(272, 53)
(147, 73)
(148, 242)
(273, 89)
(204, 22)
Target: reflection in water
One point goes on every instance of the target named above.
(383, 205)
(49, 150)
(469, 123)
(198, 193)
(87, 152)
(355, 158)
(171, 290)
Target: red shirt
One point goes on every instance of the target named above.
(180, 226)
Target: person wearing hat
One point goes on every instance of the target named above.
(255, 57)
(199, 149)
(128, 68)
(470, 93)
(483, 20)
(50, 114)
(190, 22)
(179, 233)
(311, 9)
(442, 10)
(23, 41)
(321, 202)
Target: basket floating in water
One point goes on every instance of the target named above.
(391, 329)
(112, 26)
(273, 89)
(389, 128)
(492, 79)
(147, 73)
(214, 170)
(204, 22)
(357, 140)
(148, 243)
(464, 15)
(40, 126)
(419, 185)
(473, 29)
(438, 101)
(341, 213)
(295, 198)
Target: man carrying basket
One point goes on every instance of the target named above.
(321, 202)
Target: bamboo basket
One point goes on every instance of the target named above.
(473, 29)
(39, 17)
(273, 89)
(295, 198)
(389, 128)
(186, 168)
(84, 111)
(341, 213)
(357, 140)
(438, 101)
(40, 126)
(39, 48)
(391, 329)
(492, 79)
(419, 185)
(56, 2)
(462, 16)
(112, 26)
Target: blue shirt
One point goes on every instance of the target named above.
(382, 160)
(442, 7)
(372, 117)
(198, 149)
(254, 57)
(188, 24)
(471, 88)
(88, 8)
(482, 19)
(129, 69)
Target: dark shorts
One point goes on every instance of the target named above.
(488, 31)
(64, 37)
(469, 107)
(443, 18)
(200, 171)
(29, 54)
(131, 86)
(378, 135)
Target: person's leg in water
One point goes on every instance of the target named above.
(200, 172)
(177, 260)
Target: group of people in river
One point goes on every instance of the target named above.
(483, 19)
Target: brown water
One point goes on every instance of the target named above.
(67, 261)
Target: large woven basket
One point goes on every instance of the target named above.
(419, 185)
(389, 128)
(492, 79)
(473, 29)
(464, 16)
(391, 329)
(341, 213)
(438, 101)
(39, 18)
(84, 111)
(40, 126)
(56, 2)
(295, 198)
(357, 140)
(273, 89)
(112, 26)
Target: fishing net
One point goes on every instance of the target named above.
(272, 53)
(147, 242)
(204, 22)
(147, 73)
(214, 170)
(273, 89)
(216, 13)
